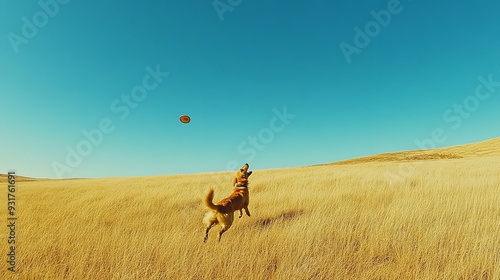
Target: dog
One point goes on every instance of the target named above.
(223, 212)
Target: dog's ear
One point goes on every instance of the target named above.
(249, 173)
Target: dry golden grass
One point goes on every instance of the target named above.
(322, 222)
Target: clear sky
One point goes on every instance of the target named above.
(96, 88)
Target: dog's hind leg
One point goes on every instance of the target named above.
(207, 230)
(224, 229)
(226, 224)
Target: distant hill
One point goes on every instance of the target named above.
(3, 178)
(488, 148)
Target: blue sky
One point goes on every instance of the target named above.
(236, 71)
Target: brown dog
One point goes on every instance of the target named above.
(223, 212)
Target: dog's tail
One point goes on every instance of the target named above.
(208, 200)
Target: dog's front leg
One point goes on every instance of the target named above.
(241, 214)
(246, 211)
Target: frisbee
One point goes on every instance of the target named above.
(185, 119)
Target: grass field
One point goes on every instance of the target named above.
(338, 221)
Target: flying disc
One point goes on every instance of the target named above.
(185, 119)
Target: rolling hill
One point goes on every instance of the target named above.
(488, 148)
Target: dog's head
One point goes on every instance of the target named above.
(242, 175)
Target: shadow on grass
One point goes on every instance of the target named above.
(283, 217)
